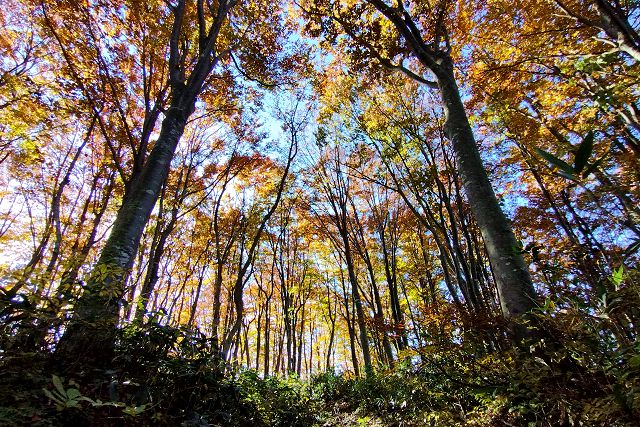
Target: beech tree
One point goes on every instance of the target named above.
(335, 185)
(192, 56)
(393, 35)
(151, 183)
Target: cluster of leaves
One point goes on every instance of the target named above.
(27, 319)
(581, 167)
(398, 396)
(161, 375)
(279, 401)
(22, 401)
(577, 375)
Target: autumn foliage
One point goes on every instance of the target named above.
(222, 212)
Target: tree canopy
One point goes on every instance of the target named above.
(426, 208)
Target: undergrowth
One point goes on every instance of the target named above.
(578, 374)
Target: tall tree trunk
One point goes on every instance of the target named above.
(361, 247)
(389, 258)
(515, 288)
(267, 336)
(90, 335)
(357, 301)
(245, 264)
(91, 331)
(332, 320)
(350, 327)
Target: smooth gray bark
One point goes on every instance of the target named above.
(90, 335)
(514, 284)
(91, 332)
(515, 288)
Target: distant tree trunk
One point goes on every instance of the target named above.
(160, 236)
(308, 362)
(258, 337)
(332, 320)
(52, 223)
(246, 345)
(389, 258)
(357, 301)
(280, 342)
(55, 204)
(267, 327)
(245, 264)
(221, 251)
(335, 186)
(196, 297)
(81, 252)
(350, 326)
(361, 248)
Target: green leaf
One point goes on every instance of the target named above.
(72, 403)
(91, 401)
(134, 410)
(569, 176)
(632, 247)
(618, 276)
(57, 383)
(73, 393)
(558, 163)
(593, 167)
(583, 153)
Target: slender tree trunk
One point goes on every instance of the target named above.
(361, 248)
(267, 337)
(196, 297)
(246, 346)
(388, 256)
(360, 316)
(350, 326)
(332, 320)
(258, 337)
(301, 341)
(160, 237)
(81, 253)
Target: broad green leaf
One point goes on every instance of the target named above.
(558, 163)
(57, 383)
(73, 393)
(583, 153)
(593, 167)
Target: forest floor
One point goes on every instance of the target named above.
(340, 415)
(162, 378)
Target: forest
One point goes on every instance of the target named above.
(319, 213)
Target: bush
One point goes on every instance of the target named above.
(279, 401)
